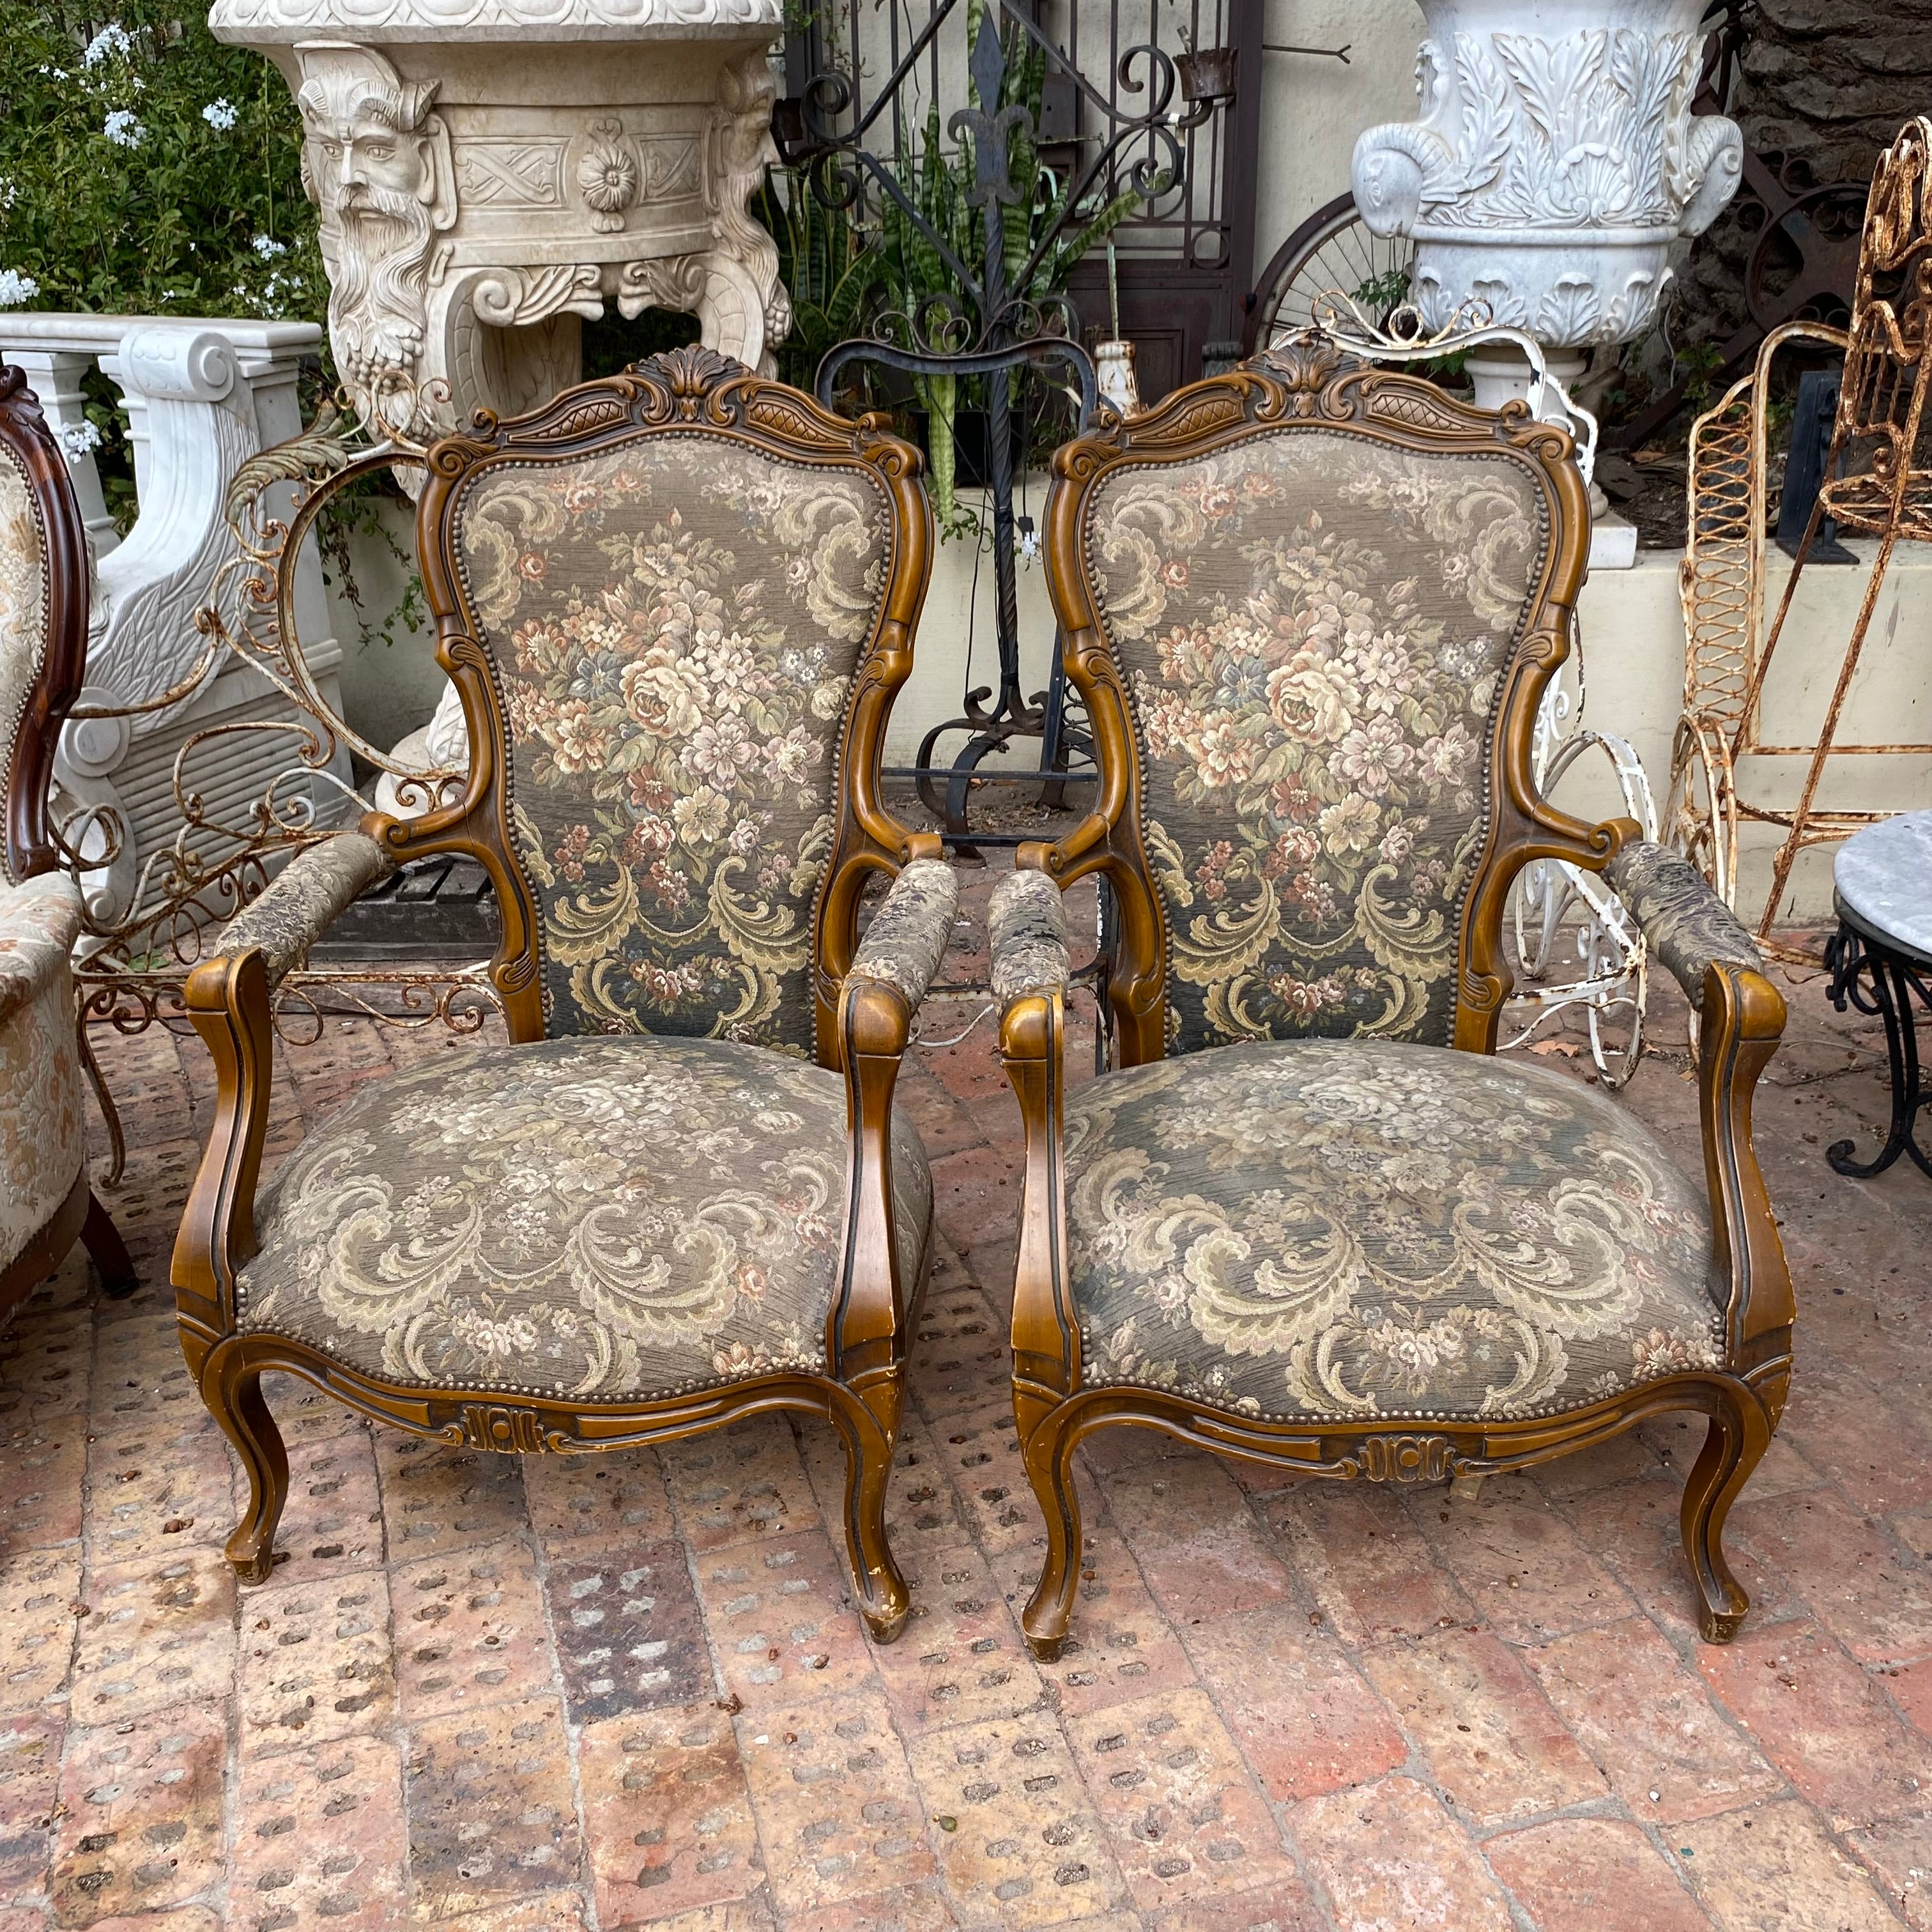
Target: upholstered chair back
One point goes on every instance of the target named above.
(42, 621)
(673, 621)
(1312, 623)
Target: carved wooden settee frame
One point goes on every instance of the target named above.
(29, 847)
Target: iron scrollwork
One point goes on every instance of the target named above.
(135, 955)
(1872, 979)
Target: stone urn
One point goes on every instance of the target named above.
(490, 172)
(1554, 166)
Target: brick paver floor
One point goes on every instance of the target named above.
(1288, 1705)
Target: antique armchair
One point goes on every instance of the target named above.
(46, 1202)
(1311, 1219)
(677, 604)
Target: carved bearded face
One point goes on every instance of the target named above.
(376, 164)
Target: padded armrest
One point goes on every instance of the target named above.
(907, 937)
(1027, 921)
(303, 900)
(39, 920)
(1687, 926)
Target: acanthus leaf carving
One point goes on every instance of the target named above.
(1550, 175)
(519, 297)
(669, 281)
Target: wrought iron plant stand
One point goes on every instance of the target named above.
(996, 325)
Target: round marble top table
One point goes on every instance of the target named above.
(1879, 960)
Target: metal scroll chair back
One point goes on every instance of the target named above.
(1878, 481)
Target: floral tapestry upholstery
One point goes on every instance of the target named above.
(675, 624)
(23, 622)
(594, 1219)
(1322, 1229)
(42, 1134)
(1684, 920)
(305, 898)
(1313, 628)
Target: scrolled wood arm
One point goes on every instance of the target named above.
(1027, 924)
(39, 920)
(907, 937)
(894, 963)
(230, 999)
(1743, 1021)
(1031, 969)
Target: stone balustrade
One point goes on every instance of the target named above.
(202, 397)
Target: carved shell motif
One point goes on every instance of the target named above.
(606, 175)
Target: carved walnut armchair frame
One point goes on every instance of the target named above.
(863, 1013)
(29, 846)
(1312, 384)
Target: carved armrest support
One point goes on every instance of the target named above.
(39, 920)
(1743, 1022)
(907, 937)
(1689, 928)
(305, 898)
(894, 963)
(1031, 968)
(1027, 921)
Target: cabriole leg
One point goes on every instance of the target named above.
(102, 1241)
(880, 1589)
(1740, 1433)
(1048, 1450)
(235, 1400)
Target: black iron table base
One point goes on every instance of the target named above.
(1870, 977)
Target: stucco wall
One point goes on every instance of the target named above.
(1315, 108)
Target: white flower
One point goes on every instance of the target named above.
(268, 248)
(112, 41)
(77, 439)
(123, 129)
(16, 288)
(221, 115)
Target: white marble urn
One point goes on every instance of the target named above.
(489, 171)
(1555, 165)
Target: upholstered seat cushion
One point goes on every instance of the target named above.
(1341, 1228)
(593, 1217)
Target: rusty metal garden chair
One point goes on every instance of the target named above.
(1312, 607)
(677, 604)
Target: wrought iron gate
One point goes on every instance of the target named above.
(1185, 263)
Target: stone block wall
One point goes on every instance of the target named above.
(1827, 82)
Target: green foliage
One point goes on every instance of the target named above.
(831, 267)
(145, 169)
(936, 181)
(1699, 362)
